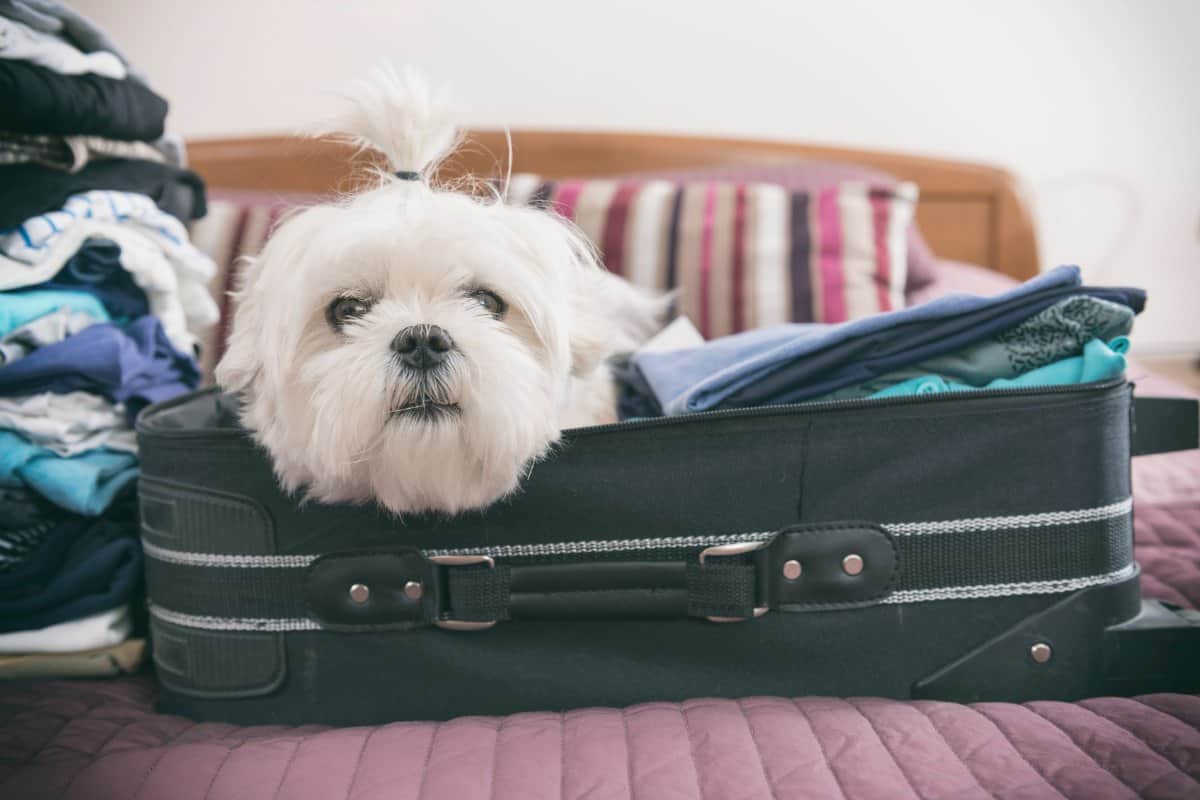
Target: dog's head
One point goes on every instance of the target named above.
(409, 344)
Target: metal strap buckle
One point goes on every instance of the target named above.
(463, 561)
(733, 549)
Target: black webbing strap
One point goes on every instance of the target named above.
(812, 566)
(479, 593)
(1165, 424)
(725, 587)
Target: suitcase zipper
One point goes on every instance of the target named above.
(145, 428)
(833, 405)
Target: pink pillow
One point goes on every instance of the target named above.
(745, 255)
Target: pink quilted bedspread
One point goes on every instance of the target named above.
(96, 739)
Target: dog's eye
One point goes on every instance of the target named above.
(490, 301)
(344, 309)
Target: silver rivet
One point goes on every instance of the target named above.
(1041, 652)
(360, 593)
(413, 590)
(792, 569)
(852, 564)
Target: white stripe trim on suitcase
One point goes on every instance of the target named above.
(1117, 509)
(916, 596)
(976, 524)
(233, 623)
(1009, 589)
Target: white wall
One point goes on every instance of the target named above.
(1093, 102)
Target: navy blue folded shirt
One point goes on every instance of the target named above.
(82, 567)
(96, 269)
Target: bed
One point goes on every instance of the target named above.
(100, 739)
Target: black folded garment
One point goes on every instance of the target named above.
(84, 566)
(27, 190)
(22, 511)
(34, 99)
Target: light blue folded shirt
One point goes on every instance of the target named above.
(84, 484)
(1100, 361)
(21, 308)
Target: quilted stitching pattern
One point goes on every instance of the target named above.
(98, 740)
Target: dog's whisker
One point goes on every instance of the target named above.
(364, 455)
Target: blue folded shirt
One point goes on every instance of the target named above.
(135, 365)
(793, 363)
(84, 484)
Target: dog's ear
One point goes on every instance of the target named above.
(612, 316)
(589, 343)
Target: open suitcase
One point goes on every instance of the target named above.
(968, 546)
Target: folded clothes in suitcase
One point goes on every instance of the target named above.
(963, 546)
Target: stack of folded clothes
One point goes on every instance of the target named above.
(1050, 331)
(101, 296)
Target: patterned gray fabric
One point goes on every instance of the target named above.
(1061, 331)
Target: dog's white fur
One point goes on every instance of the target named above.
(324, 401)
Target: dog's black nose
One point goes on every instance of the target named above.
(422, 346)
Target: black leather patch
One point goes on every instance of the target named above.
(384, 574)
(824, 583)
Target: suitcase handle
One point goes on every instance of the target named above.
(804, 567)
(818, 566)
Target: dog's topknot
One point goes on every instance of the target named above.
(400, 115)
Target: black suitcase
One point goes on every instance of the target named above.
(969, 546)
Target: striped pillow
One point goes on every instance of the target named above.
(744, 255)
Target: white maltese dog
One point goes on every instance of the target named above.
(417, 346)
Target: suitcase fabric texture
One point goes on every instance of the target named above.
(963, 546)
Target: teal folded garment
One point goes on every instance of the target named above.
(84, 484)
(1100, 361)
(21, 308)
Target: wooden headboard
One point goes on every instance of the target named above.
(967, 212)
